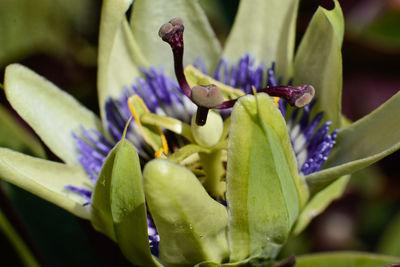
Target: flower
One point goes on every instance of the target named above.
(192, 226)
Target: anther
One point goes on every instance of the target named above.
(297, 96)
(208, 96)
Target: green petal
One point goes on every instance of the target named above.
(118, 204)
(266, 30)
(119, 54)
(345, 259)
(128, 207)
(13, 135)
(362, 143)
(101, 206)
(264, 190)
(320, 202)
(318, 62)
(200, 41)
(191, 224)
(46, 179)
(52, 113)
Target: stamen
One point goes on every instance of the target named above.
(208, 96)
(297, 96)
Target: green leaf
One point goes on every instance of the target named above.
(320, 202)
(46, 179)
(264, 190)
(266, 30)
(318, 62)
(380, 137)
(191, 224)
(389, 243)
(128, 207)
(53, 114)
(7, 229)
(119, 55)
(200, 41)
(345, 259)
(13, 135)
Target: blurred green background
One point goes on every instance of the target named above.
(58, 39)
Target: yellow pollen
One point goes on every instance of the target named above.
(276, 99)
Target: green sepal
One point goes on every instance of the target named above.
(318, 62)
(119, 56)
(53, 114)
(380, 137)
(128, 206)
(46, 179)
(266, 30)
(319, 202)
(264, 191)
(101, 207)
(118, 204)
(191, 225)
(345, 259)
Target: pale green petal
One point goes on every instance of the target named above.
(266, 30)
(46, 179)
(192, 225)
(264, 191)
(118, 203)
(200, 41)
(320, 202)
(344, 259)
(15, 136)
(53, 114)
(362, 143)
(101, 208)
(318, 62)
(128, 206)
(119, 56)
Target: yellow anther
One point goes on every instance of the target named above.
(276, 100)
(159, 154)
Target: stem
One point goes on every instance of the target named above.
(213, 166)
(26, 256)
(16, 231)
